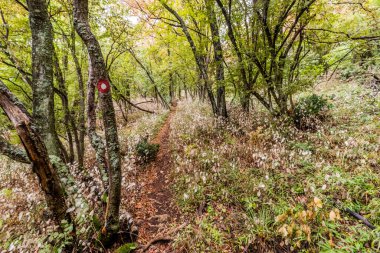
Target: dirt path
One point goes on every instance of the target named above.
(155, 212)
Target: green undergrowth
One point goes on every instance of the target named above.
(146, 152)
(146, 126)
(250, 186)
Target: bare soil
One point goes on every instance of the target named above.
(155, 211)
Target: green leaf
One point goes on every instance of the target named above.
(127, 248)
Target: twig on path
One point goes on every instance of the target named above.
(359, 217)
(162, 238)
(354, 214)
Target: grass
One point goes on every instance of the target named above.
(264, 188)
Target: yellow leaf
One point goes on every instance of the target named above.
(337, 213)
(291, 228)
(309, 214)
(331, 242)
(305, 228)
(303, 215)
(332, 215)
(281, 218)
(318, 202)
(283, 230)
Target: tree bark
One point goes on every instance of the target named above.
(218, 57)
(37, 153)
(82, 99)
(97, 70)
(42, 65)
(171, 79)
(83, 29)
(62, 92)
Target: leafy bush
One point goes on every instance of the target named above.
(146, 151)
(300, 225)
(309, 111)
(351, 70)
(127, 248)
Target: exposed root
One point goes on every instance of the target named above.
(162, 238)
(156, 240)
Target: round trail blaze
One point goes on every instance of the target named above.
(103, 86)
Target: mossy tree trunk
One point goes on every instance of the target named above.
(98, 70)
(42, 66)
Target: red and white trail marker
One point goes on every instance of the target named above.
(103, 86)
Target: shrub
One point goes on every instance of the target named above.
(309, 111)
(350, 71)
(126, 248)
(146, 151)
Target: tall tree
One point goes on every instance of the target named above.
(218, 58)
(97, 71)
(199, 57)
(150, 76)
(248, 75)
(42, 66)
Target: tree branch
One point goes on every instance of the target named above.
(13, 152)
(22, 5)
(366, 37)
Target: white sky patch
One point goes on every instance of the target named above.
(133, 19)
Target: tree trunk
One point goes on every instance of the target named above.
(97, 70)
(199, 58)
(42, 64)
(218, 55)
(128, 95)
(171, 78)
(245, 100)
(82, 100)
(82, 28)
(65, 104)
(37, 153)
(157, 93)
(79, 131)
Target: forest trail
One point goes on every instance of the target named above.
(155, 211)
